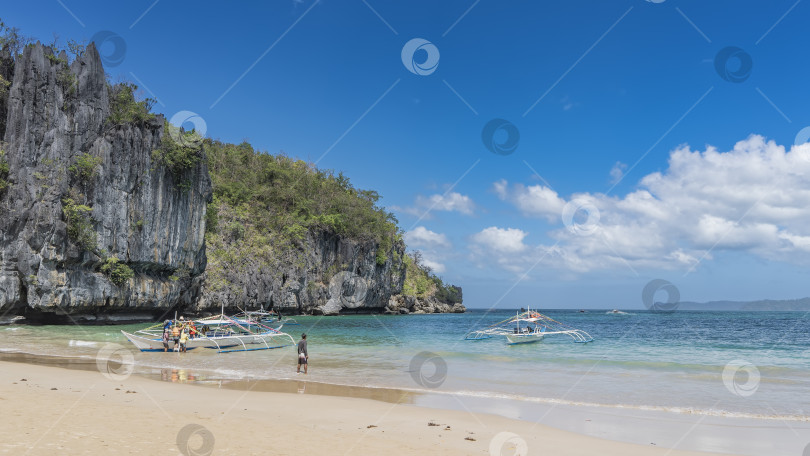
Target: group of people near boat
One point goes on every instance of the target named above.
(180, 331)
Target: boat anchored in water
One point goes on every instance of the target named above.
(528, 327)
(222, 333)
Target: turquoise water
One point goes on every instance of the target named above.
(643, 360)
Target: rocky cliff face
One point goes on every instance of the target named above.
(153, 221)
(55, 113)
(411, 304)
(324, 275)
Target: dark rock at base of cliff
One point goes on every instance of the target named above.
(410, 304)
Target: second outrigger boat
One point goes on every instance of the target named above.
(222, 333)
(528, 327)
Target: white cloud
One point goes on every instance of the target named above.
(508, 240)
(753, 199)
(423, 237)
(617, 172)
(434, 266)
(449, 202)
(533, 201)
(500, 187)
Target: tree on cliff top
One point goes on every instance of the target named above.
(292, 196)
(422, 283)
(11, 39)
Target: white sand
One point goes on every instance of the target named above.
(88, 413)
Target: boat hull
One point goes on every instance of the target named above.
(241, 342)
(514, 339)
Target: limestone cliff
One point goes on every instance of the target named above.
(55, 113)
(324, 275)
(83, 190)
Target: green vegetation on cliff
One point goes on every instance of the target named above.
(264, 205)
(292, 196)
(421, 282)
(4, 168)
(125, 108)
(117, 272)
(79, 224)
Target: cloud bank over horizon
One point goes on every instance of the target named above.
(753, 199)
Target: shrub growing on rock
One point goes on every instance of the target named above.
(79, 224)
(117, 272)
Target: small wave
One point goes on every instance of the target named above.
(654, 408)
(81, 343)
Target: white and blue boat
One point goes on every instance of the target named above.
(528, 327)
(222, 333)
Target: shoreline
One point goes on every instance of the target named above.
(640, 429)
(393, 393)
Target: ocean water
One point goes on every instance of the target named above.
(747, 364)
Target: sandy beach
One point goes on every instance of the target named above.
(69, 411)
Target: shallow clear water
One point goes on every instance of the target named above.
(671, 361)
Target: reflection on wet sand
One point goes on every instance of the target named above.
(177, 376)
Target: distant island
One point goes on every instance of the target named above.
(759, 305)
(110, 213)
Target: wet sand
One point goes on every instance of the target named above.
(51, 409)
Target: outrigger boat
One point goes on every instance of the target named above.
(222, 333)
(262, 315)
(528, 327)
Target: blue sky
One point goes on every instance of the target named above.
(616, 104)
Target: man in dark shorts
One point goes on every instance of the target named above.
(303, 356)
(166, 334)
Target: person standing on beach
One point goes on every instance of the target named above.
(303, 356)
(166, 333)
(183, 340)
(176, 336)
